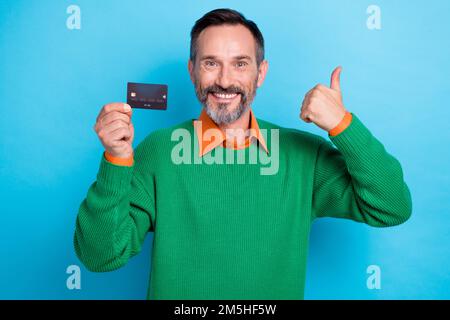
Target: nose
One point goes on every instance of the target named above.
(225, 78)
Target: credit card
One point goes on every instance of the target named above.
(147, 96)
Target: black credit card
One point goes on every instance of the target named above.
(147, 96)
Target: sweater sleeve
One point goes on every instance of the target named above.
(359, 180)
(119, 161)
(115, 216)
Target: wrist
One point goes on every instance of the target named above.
(342, 125)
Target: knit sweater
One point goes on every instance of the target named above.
(225, 230)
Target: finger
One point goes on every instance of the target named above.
(112, 116)
(309, 92)
(115, 106)
(304, 113)
(327, 92)
(120, 134)
(116, 124)
(120, 145)
(335, 79)
(305, 117)
(305, 104)
(318, 90)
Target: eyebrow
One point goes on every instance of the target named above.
(212, 57)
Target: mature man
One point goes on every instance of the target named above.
(224, 229)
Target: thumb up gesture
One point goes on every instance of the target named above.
(323, 105)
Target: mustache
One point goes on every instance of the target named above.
(219, 89)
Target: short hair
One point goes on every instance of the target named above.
(223, 16)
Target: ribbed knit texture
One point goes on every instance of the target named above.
(224, 231)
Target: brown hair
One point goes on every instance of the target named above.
(222, 17)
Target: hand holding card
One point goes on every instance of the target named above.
(115, 129)
(147, 96)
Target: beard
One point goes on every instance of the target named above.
(221, 114)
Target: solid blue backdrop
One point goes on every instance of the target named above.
(54, 81)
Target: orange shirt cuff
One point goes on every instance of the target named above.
(345, 122)
(119, 161)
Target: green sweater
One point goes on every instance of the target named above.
(226, 231)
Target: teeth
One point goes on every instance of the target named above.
(225, 96)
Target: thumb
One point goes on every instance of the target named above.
(335, 79)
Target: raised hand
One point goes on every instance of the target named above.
(323, 105)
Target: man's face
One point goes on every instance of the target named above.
(225, 72)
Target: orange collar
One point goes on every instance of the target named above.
(211, 136)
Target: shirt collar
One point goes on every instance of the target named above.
(207, 141)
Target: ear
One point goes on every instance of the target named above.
(263, 67)
(191, 70)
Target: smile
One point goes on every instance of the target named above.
(224, 97)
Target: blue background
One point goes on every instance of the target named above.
(54, 81)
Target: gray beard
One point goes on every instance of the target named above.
(221, 116)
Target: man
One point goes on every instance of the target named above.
(223, 229)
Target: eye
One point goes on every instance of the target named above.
(210, 63)
(241, 64)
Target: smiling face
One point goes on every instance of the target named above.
(225, 71)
